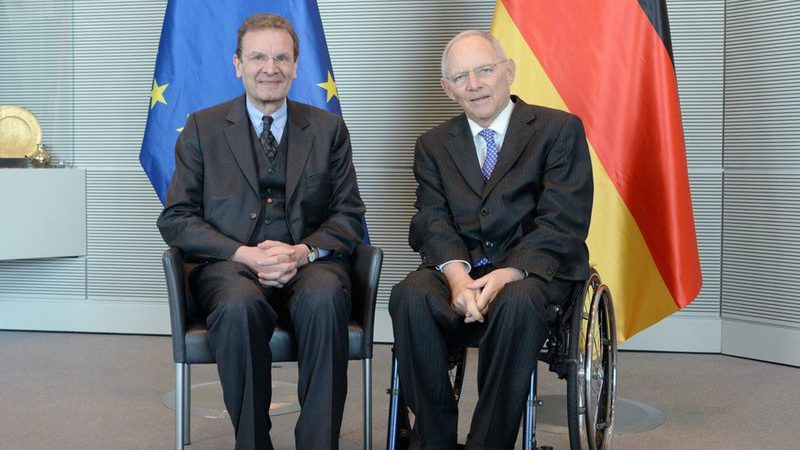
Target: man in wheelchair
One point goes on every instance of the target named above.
(503, 203)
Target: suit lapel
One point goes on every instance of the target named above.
(519, 133)
(461, 148)
(300, 140)
(237, 135)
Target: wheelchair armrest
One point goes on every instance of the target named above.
(176, 295)
(365, 270)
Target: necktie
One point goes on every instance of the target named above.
(491, 153)
(267, 139)
(488, 167)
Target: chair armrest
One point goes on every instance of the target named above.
(365, 269)
(176, 295)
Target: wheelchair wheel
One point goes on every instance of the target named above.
(592, 372)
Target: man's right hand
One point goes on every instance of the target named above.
(463, 299)
(274, 265)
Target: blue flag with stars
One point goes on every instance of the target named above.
(194, 70)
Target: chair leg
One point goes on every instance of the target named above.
(367, 364)
(187, 404)
(529, 426)
(394, 401)
(180, 399)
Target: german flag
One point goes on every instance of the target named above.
(610, 63)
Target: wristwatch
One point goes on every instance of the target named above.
(313, 253)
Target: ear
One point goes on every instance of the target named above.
(512, 70)
(237, 63)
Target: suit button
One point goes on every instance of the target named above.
(253, 215)
(269, 200)
(484, 212)
(489, 244)
(271, 170)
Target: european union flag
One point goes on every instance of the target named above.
(194, 69)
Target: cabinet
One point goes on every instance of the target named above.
(43, 213)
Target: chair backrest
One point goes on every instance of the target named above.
(365, 270)
(176, 295)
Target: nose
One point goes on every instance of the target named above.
(473, 82)
(270, 66)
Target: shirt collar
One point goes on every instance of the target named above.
(278, 118)
(499, 125)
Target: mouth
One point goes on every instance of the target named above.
(275, 82)
(479, 100)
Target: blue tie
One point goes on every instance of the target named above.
(491, 153)
(488, 167)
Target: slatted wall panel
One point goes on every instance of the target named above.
(36, 72)
(706, 201)
(762, 163)
(115, 48)
(115, 43)
(51, 278)
(386, 60)
(85, 68)
(36, 68)
(124, 245)
(698, 42)
(762, 98)
(762, 241)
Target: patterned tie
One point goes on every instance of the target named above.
(491, 153)
(267, 139)
(488, 167)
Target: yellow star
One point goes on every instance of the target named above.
(157, 94)
(329, 86)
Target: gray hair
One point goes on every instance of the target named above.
(498, 49)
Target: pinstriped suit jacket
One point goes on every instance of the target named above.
(533, 213)
(213, 200)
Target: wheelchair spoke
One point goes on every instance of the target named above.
(592, 370)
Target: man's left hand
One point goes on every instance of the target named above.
(490, 285)
(298, 258)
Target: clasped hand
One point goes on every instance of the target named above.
(274, 262)
(471, 298)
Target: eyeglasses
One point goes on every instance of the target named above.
(481, 72)
(262, 59)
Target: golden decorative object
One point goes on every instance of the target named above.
(20, 132)
(40, 158)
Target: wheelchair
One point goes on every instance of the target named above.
(581, 348)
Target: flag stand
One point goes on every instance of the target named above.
(207, 399)
(632, 416)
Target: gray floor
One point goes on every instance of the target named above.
(84, 391)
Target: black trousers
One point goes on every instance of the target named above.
(508, 341)
(241, 316)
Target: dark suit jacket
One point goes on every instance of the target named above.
(533, 213)
(213, 200)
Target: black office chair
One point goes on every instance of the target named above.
(190, 337)
(581, 347)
